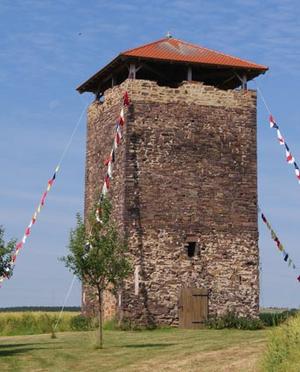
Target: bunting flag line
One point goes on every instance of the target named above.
(108, 162)
(10, 266)
(288, 155)
(286, 256)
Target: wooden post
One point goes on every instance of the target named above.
(189, 74)
(244, 82)
(98, 96)
(132, 71)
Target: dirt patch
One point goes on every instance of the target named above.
(234, 359)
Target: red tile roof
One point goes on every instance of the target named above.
(170, 49)
(179, 52)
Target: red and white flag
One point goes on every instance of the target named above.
(280, 138)
(289, 157)
(126, 99)
(272, 122)
(121, 119)
(104, 189)
(107, 181)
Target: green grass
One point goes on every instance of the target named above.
(47, 309)
(27, 323)
(271, 319)
(283, 349)
(157, 350)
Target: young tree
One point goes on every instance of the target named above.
(6, 251)
(97, 256)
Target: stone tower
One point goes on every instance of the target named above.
(184, 187)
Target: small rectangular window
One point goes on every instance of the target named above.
(191, 249)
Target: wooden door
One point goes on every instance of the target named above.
(193, 307)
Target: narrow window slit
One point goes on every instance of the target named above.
(191, 249)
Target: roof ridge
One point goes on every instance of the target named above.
(217, 51)
(144, 45)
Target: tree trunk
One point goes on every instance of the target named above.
(100, 303)
(120, 309)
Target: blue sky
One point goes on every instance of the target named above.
(47, 48)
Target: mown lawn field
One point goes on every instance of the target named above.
(158, 350)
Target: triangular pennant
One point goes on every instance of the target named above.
(121, 118)
(107, 181)
(277, 242)
(263, 218)
(126, 99)
(289, 158)
(273, 235)
(117, 139)
(98, 214)
(280, 138)
(106, 161)
(272, 121)
(104, 189)
(19, 245)
(109, 169)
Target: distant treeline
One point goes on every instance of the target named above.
(38, 308)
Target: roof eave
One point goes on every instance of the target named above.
(259, 69)
(81, 88)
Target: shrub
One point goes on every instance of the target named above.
(128, 324)
(110, 325)
(81, 323)
(231, 320)
(275, 319)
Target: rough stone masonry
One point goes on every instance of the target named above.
(186, 171)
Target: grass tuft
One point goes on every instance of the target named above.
(283, 349)
(271, 319)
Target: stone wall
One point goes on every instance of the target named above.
(101, 121)
(186, 168)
